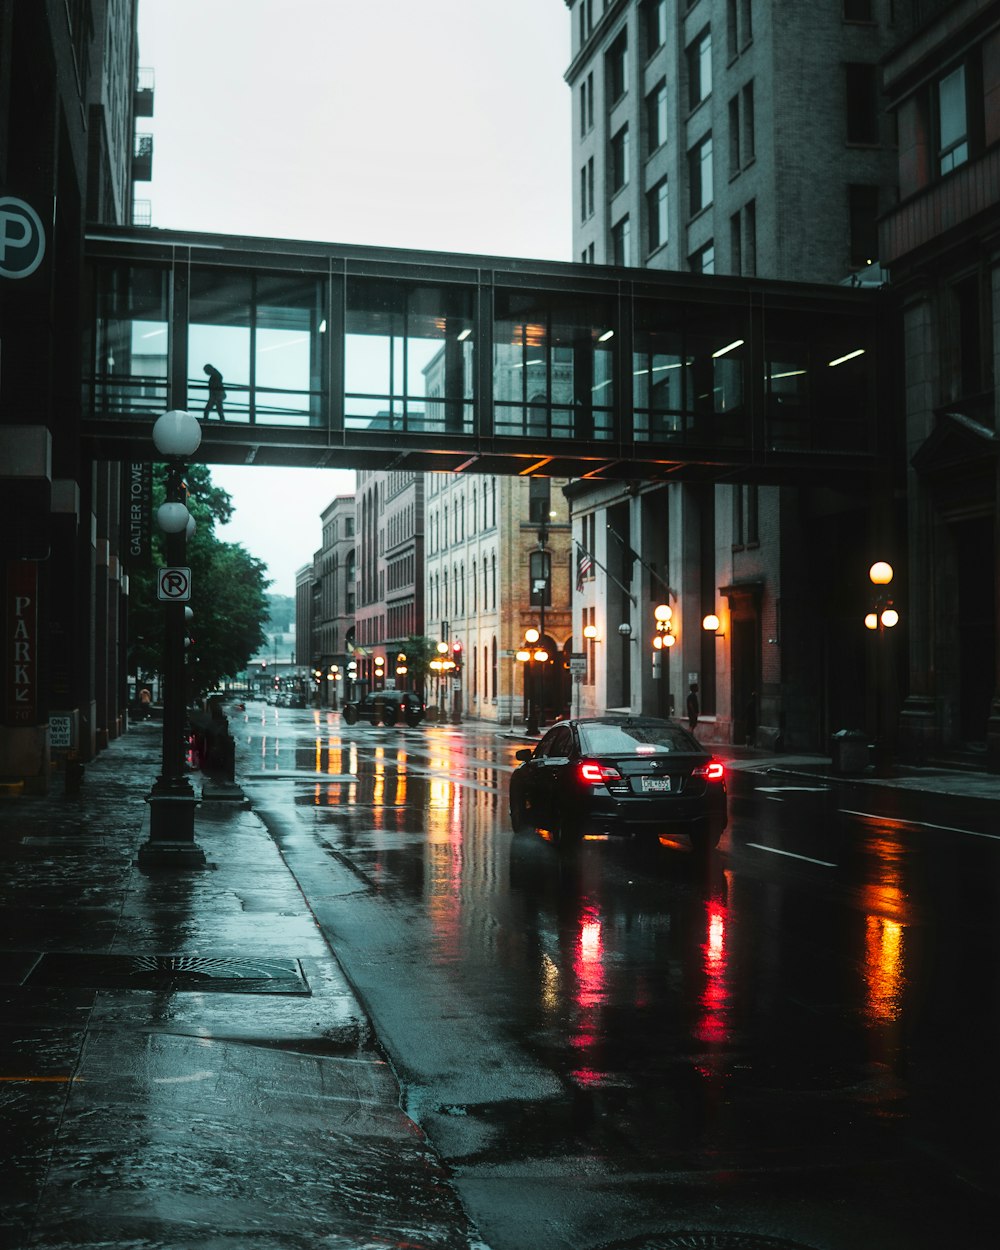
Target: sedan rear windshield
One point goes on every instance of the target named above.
(638, 737)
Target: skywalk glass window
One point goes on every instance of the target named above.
(266, 334)
(552, 365)
(129, 348)
(409, 357)
(688, 374)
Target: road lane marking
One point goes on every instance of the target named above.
(773, 850)
(920, 824)
(796, 789)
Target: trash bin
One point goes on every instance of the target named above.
(849, 749)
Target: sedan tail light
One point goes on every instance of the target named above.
(712, 771)
(595, 774)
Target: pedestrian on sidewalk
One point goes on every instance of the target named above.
(693, 707)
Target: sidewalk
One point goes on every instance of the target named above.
(181, 1060)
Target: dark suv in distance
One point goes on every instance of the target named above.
(386, 707)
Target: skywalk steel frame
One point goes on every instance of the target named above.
(634, 374)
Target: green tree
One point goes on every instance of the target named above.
(420, 650)
(228, 597)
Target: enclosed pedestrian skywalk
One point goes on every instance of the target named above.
(362, 357)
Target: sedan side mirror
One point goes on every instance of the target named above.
(524, 754)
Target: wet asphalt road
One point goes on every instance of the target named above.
(796, 1039)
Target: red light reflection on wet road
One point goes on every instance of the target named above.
(588, 969)
(714, 998)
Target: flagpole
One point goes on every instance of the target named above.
(648, 567)
(619, 584)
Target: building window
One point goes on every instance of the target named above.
(656, 116)
(655, 19)
(966, 312)
(699, 61)
(861, 83)
(621, 242)
(539, 500)
(863, 217)
(586, 20)
(749, 142)
(739, 27)
(656, 208)
(619, 160)
(735, 244)
(746, 23)
(750, 239)
(616, 69)
(858, 11)
(587, 104)
(735, 164)
(700, 174)
(587, 190)
(952, 116)
(703, 261)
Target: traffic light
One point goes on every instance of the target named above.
(456, 656)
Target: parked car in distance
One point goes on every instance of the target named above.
(386, 707)
(620, 776)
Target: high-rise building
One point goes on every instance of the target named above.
(940, 243)
(728, 137)
(69, 96)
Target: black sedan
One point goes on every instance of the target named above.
(386, 707)
(620, 776)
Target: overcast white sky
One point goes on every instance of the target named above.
(443, 124)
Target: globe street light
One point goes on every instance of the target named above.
(177, 436)
(882, 617)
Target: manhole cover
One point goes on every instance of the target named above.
(203, 974)
(705, 1241)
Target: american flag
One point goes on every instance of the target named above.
(584, 569)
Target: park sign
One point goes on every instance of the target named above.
(22, 238)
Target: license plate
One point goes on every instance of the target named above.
(655, 784)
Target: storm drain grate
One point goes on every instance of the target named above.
(705, 1241)
(177, 973)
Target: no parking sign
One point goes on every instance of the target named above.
(173, 585)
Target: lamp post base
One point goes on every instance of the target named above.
(171, 829)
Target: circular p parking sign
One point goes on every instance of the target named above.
(22, 238)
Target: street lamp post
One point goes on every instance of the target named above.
(663, 639)
(883, 616)
(531, 637)
(177, 436)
